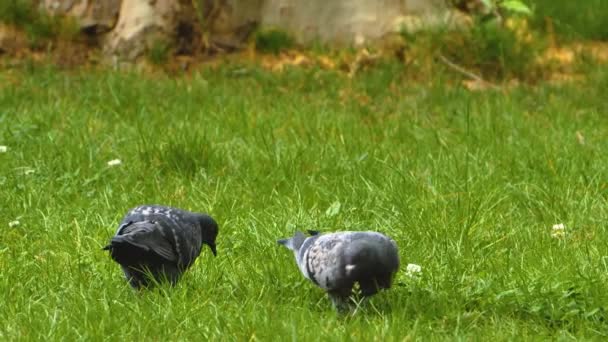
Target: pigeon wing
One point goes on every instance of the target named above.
(182, 230)
(147, 235)
(372, 251)
(190, 241)
(179, 228)
(324, 263)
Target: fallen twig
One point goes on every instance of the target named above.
(467, 73)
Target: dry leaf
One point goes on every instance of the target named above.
(326, 62)
(580, 138)
(475, 85)
(363, 58)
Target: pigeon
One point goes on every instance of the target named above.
(336, 261)
(161, 242)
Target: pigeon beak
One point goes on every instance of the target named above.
(213, 250)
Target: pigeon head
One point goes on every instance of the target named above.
(209, 230)
(293, 243)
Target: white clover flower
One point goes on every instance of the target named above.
(114, 162)
(13, 224)
(558, 231)
(3, 149)
(413, 270)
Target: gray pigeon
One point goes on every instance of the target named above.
(336, 261)
(160, 241)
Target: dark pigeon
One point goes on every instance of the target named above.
(161, 242)
(336, 261)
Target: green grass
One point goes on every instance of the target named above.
(489, 49)
(272, 41)
(573, 19)
(159, 52)
(468, 184)
(39, 26)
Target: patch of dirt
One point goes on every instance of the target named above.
(12, 40)
(68, 55)
(16, 48)
(570, 54)
(563, 61)
(560, 61)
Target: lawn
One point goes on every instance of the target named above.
(572, 20)
(469, 184)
